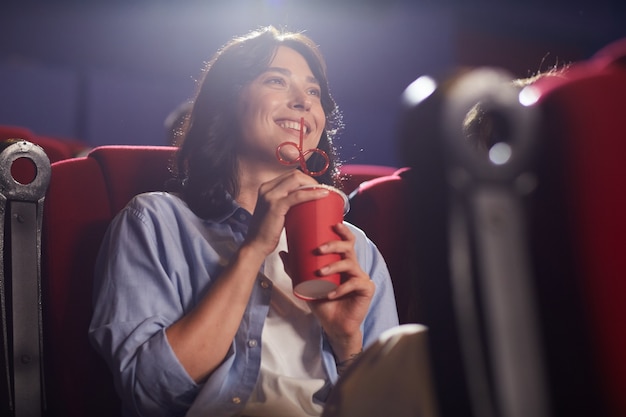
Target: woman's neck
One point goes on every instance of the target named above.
(250, 179)
(247, 199)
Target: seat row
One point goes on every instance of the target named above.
(513, 257)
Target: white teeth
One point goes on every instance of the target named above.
(289, 124)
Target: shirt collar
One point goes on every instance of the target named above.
(234, 211)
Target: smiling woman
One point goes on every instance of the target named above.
(274, 107)
(208, 158)
(194, 310)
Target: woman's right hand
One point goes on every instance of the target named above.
(274, 200)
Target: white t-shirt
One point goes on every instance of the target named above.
(291, 363)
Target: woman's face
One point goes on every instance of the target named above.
(272, 105)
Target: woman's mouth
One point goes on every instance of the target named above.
(292, 124)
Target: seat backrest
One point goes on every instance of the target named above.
(585, 130)
(56, 148)
(354, 174)
(551, 219)
(570, 173)
(386, 208)
(15, 132)
(382, 208)
(84, 195)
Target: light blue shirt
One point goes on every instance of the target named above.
(157, 261)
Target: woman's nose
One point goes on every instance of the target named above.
(300, 100)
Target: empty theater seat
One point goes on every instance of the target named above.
(57, 149)
(354, 174)
(15, 132)
(382, 207)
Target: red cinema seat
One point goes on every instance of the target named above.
(15, 132)
(57, 149)
(381, 207)
(84, 195)
(563, 238)
(354, 174)
(585, 130)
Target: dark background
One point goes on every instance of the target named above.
(109, 72)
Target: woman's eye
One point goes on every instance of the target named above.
(276, 81)
(315, 92)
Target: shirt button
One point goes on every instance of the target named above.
(252, 343)
(236, 400)
(265, 284)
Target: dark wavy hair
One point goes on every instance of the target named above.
(205, 168)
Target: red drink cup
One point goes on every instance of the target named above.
(308, 225)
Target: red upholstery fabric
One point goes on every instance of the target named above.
(130, 170)
(354, 174)
(84, 195)
(15, 132)
(585, 113)
(576, 236)
(75, 147)
(57, 149)
(76, 214)
(382, 208)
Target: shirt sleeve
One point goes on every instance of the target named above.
(383, 313)
(135, 300)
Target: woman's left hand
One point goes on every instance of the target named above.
(342, 313)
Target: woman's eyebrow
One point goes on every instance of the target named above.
(286, 72)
